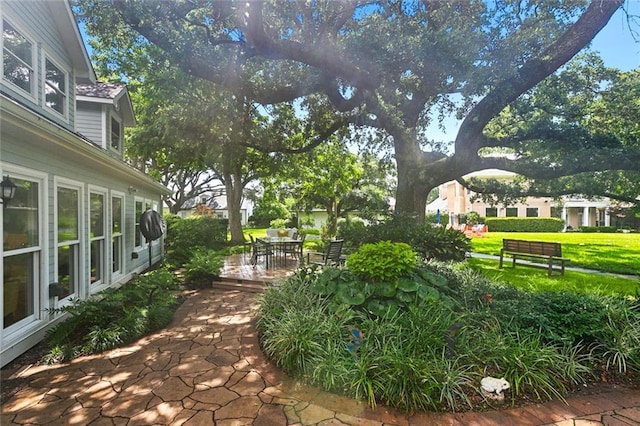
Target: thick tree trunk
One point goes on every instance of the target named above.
(234, 202)
(411, 194)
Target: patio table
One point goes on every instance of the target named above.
(279, 244)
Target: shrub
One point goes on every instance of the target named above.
(431, 242)
(524, 224)
(600, 229)
(114, 318)
(472, 218)
(203, 266)
(383, 261)
(184, 235)
(559, 317)
(278, 223)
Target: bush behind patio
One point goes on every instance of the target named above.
(431, 356)
(431, 242)
(189, 234)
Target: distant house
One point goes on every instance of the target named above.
(216, 205)
(454, 200)
(71, 229)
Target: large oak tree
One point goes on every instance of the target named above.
(394, 66)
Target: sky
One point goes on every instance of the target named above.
(615, 43)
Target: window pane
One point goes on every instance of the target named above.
(96, 260)
(17, 57)
(20, 220)
(55, 87)
(116, 215)
(532, 212)
(97, 215)
(19, 281)
(138, 213)
(67, 269)
(491, 212)
(512, 212)
(67, 214)
(115, 134)
(117, 254)
(55, 77)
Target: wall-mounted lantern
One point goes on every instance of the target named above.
(8, 190)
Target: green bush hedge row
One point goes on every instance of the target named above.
(600, 229)
(524, 224)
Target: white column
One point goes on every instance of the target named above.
(607, 218)
(585, 216)
(564, 217)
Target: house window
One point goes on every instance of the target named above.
(97, 237)
(55, 88)
(17, 58)
(116, 235)
(68, 240)
(115, 134)
(532, 212)
(22, 251)
(511, 212)
(491, 212)
(137, 234)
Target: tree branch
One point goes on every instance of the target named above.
(534, 71)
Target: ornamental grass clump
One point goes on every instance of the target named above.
(114, 318)
(429, 337)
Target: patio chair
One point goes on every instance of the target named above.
(260, 249)
(332, 256)
(294, 248)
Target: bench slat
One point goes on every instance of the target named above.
(541, 249)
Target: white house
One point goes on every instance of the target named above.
(71, 228)
(218, 206)
(454, 199)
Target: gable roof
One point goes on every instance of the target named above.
(110, 94)
(70, 35)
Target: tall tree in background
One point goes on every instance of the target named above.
(397, 66)
(340, 182)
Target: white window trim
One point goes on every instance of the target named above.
(101, 284)
(136, 220)
(47, 56)
(34, 60)
(71, 184)
(25, 326)
(123, 259)
(115, 117)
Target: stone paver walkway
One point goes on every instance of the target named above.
(207, 369)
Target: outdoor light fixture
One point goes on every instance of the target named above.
(8, 190)
(132, 189)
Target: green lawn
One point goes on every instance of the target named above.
(536, 279)
(617, 253)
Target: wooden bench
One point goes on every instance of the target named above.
(534, 249)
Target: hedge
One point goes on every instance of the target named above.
(601, 229)
(524, 224)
